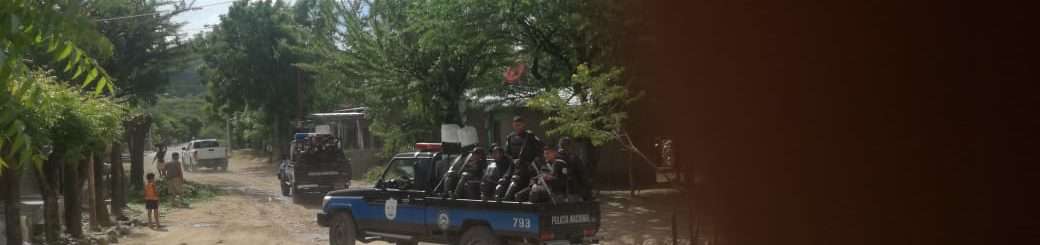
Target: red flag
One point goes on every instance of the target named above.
(513, 74)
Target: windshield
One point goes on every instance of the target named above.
(400, 169)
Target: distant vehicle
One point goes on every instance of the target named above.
(316, 164)
(204, 153)
(412, 203)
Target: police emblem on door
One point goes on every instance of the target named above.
(390, 209)
(443, 221)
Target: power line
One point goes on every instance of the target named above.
(161, 11)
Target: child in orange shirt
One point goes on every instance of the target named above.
(151, 200)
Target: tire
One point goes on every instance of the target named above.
(292, 189)
(342, 230)
(478, 235)
(285, 188)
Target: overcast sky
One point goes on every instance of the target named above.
(196, 20)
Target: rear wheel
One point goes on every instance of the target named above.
(478, 235)
(342, 230)
(285, 188)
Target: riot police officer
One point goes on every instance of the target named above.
(522, 143)
(578, 184)
(551, 182)
(472, 175)
(522, 146)
(496, 179)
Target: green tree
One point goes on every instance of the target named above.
(72, 126)
(250, 65)
(59, 29)
(413, 62)
(555, 36)
(147, 51)
(147, 48)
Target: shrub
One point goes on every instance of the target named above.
(373, 174)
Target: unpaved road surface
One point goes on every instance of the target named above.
(250, 211)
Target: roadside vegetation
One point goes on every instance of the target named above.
(373, 173)
(73, 80)
(193, 192)
(413, 64)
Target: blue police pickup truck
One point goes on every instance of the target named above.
(410, 203)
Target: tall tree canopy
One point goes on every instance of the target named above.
(60, 29)
(146, 48)
(249, 64)
(412, 62)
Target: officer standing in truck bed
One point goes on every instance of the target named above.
(523, 147)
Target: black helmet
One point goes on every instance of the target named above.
(495, 147)
(478, 149)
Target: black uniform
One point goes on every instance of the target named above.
(554, 173)
(523, 148)
(578, 181)
(472, 174)
(525, 143)
(496, 179)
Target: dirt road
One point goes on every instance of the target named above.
(251, 211)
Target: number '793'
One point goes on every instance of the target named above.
(523, 223)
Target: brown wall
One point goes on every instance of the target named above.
(812, 122)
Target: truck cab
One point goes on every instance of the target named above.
(411, 202)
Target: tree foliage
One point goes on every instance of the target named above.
(412, 62)
(248, 61)
(600, 118)
(250, 65)
(147, 48)
(57, 27)
(179, 119)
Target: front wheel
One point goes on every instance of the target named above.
(342, 230)
(478, 235)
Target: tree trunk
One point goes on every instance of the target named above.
(73, 212)
(9, 177)
(52, 176)
(278, 142)
(92, 194)
(100, 209)
(137, 130)
(274, 141)
(118, 187)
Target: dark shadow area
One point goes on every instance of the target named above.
(869, 122)
(310, 200)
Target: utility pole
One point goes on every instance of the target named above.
(227, 133)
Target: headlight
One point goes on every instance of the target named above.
(324, 201)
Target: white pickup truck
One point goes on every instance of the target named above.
(204, 153)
